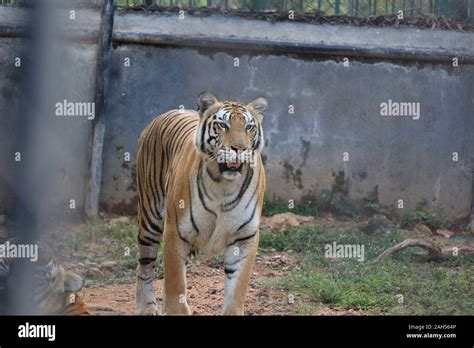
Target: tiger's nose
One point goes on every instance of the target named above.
(238, 147)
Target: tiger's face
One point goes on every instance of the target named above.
(54, 288)
(230, 133)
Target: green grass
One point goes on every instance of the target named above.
(304, 240)
(99, 242)
(278, 206)
(434, 220)
(375, 208)
(335, 201)
(427, 288)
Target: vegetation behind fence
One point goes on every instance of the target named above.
(461, 10)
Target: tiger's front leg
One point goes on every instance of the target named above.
(175, 254)
(238, 263)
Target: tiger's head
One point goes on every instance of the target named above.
(54, 288)
(229, 132)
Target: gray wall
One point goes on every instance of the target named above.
(59, 148)
(337, 110)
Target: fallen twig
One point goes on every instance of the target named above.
(434, 252)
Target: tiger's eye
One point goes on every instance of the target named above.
(223, 125)
(249, 127)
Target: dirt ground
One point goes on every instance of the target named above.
(206, 292)
(95, 251)
(205, 286)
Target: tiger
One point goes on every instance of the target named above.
(201, 185)
(55, 291)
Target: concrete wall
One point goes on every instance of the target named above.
(58, 155)
(336, 108)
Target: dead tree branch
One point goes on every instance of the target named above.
(434, 252)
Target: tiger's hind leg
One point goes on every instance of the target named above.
(149, 240)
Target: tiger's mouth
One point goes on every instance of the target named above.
(230, 167)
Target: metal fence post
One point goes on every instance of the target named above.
(101, 89)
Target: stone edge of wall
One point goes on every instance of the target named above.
(226, 32)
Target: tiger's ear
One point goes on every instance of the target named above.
(205, 100)
(73, 282)
(259, 105)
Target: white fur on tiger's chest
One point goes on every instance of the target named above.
(214, 220)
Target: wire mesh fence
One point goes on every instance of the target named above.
(459, 10)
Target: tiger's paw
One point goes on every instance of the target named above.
(150, 310)
(181, 309)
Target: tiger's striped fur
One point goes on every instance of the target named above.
(201, 184)
(55, 290)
